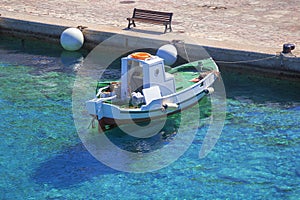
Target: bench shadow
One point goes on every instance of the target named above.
(150, 32)
(73, 166)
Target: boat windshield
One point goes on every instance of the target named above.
(135, 76)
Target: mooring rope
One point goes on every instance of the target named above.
(245, 61)
(93, 122)
(188, 59)
(184, 47)
(221, 61)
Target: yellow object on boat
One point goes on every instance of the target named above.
(140, 55)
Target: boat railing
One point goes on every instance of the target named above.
(108, 98)
(100, 90)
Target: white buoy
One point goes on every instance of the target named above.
(169, 53)
(71, 39)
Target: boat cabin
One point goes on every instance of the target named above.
(143, 74)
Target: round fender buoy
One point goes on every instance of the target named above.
(71, 39)
(169, 53)
(209, 90)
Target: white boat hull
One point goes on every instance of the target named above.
(159, 95)
(111, 114)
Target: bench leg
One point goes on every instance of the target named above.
(168, 28)
(130, 23)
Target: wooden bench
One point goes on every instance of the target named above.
(153, 17)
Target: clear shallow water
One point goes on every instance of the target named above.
(41, 156)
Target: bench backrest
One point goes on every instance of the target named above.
(152, 15)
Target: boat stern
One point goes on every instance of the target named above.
(93, 106)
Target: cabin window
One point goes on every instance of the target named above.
(156, 72)
(135, 76)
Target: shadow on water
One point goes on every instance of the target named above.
(32, 46)
(42, 56)
(250, 87)
(71, 167)
(76, 165)
(165, 132)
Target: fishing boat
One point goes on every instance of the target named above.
(150, 90)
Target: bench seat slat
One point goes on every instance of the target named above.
(150, 21)
(151, 14)
(152, 11)
(144, 18)
(152, 17)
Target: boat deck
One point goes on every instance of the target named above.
(182, 79)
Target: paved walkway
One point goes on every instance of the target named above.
(255, 25)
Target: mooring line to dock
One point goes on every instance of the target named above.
(245, 61)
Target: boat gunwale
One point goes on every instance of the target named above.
(136, 110)
(141, 120)
(187, 101)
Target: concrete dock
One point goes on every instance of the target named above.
(260, 26)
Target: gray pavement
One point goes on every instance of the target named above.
(252, 25)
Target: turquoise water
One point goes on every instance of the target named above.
(42, 157)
